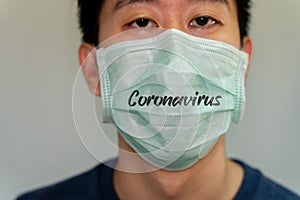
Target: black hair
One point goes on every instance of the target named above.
(244, 16)
(89, 12)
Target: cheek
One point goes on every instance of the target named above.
(232, 37)
(105, 32)
(109, 27)
(229, 34)
(107, 23)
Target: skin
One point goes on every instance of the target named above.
(214, 176)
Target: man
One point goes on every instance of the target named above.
(210, 175)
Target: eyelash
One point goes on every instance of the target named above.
(142, 20)
(208, 22)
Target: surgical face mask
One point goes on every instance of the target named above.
(171, 95)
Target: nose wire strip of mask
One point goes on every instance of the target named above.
(164, 37)
(208, 46)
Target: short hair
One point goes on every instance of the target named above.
(89, 13)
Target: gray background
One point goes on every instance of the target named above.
(38, 64)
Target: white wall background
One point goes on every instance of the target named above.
(38, 63)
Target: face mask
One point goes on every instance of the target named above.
(171, 95)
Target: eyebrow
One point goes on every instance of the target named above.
(122, 3)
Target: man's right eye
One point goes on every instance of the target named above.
(142, 23)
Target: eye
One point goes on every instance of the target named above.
(142, 23)
(203, 22)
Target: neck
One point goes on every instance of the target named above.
(213, 177)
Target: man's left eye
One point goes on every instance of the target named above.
(203, 22)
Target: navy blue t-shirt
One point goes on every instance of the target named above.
(97, 184)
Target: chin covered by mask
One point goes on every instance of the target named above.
(171, 95)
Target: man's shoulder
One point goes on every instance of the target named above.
(259, 187)
(82, 186)
(268, 189)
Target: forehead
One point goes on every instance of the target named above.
(114, 5)
(121, 3)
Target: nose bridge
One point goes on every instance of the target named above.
(169, 24)
(173, 17)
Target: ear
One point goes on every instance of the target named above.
(248, 48)
(88, 64)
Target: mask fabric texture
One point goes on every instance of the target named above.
(171, 96)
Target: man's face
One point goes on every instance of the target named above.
(211, 19)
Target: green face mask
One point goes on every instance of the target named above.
(171, 95)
